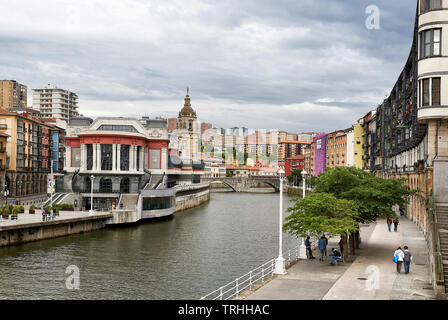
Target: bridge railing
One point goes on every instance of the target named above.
(250, 279)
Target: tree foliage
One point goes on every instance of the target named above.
(319, 213)
(373, 196)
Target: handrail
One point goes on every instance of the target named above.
(440, 279)
(248, 280)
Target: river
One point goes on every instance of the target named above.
(183, 257)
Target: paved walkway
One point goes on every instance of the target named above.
(25, 219)
(372, 276)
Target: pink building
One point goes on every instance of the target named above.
(320, 153)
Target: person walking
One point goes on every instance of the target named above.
(396, 222)
(322, 244)
(399, 256)
(389, 223)
(43, 214)
(407, 259)
(308, 248)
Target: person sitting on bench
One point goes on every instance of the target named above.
(336, 255)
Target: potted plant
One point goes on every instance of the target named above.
(32, 209)
(20, 209)
(5, 213)
(14, 214)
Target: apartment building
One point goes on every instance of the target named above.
(336, 155)
(13, 94)
(54, 102)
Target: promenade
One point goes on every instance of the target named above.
(371, 276)
(27, 220)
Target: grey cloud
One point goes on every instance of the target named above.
(243, 54)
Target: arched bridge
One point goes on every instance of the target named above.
(241, 184)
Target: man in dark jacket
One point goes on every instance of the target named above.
(407, 259)
(396, 224)
(308, 248)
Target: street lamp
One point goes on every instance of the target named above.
(91, 194)
(302, 249)
(280, 261)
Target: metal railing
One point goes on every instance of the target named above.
(250, 279)
(440, 279)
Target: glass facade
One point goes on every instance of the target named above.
(106, 157)
(157, 203)
(124, 157)
(109, 127)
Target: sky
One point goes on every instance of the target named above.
(296, 65)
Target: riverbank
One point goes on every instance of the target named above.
(30, 227)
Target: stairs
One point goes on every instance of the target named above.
(442, 225)
(129, 201)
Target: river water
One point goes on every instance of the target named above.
(183, 257)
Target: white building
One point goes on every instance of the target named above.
(350, 154)
(53, 102)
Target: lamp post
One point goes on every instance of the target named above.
(91, 194)
(280, 261)
(302, 249)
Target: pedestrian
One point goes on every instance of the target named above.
(335, 255)
(308, 248)
(389, 223)
(398, 257)
(407, 259)
(43, 214)
(322, 244)
(396, 224)
(401, 211)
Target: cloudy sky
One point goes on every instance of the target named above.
(295, 65)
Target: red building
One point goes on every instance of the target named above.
(172, 124)
(294, 163)
(205, 127)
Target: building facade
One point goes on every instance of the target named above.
(53, 102)
(13, 94)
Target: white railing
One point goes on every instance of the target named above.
(247, 281)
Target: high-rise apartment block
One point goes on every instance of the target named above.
(56, 103)
(12, 94)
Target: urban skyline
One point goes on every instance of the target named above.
(264, 86)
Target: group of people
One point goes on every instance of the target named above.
(403, 257)
(395, 222)
(322, 244)
(46, 214)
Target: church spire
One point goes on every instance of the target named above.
(187, 110)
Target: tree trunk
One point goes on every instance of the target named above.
(351, 240)
(345, 252)
(357, 240)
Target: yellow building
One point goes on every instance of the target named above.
(27, 158)
(358, 151)
(12, 94)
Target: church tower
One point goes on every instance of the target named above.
(187, 130)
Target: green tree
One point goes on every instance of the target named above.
(319, 213)
(293, 175)
(373, 196)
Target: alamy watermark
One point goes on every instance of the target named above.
(373, 17)
(373, 280)
(72, 281)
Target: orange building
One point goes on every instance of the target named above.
(336, 149)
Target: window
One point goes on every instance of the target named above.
(105, 185)
(425, 95)
(426, 5)
(430, 43)
(106, 157)
(435, 91)
(430, 92)
(124, 158)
